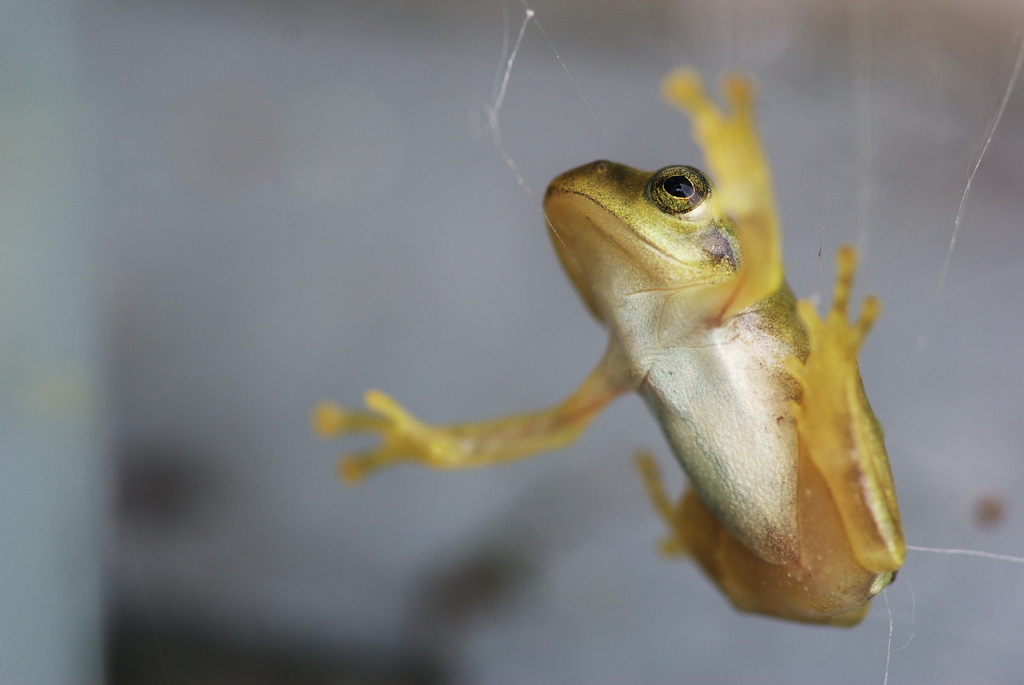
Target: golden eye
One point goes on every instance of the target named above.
(678, 189)
(679, 186)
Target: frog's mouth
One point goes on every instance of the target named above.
(611, 200)
(589, 200)
(607, 260)
(594, 217)
(583, 225)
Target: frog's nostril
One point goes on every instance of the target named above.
(601, 166)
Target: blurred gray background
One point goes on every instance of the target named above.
(218, 213)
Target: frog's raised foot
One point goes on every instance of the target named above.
(736, 161)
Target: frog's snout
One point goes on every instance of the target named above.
(597, 179)
(578, 179)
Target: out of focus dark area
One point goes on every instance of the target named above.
(216, 214)
(188, 654)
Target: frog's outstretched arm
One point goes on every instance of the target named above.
(468, 445)
(733, 154)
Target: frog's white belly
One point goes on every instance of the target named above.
(724, 408)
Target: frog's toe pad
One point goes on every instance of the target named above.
(329, 419)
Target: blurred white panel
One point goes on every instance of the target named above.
(52, 451)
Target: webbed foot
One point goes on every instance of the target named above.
(834, 343)
(743, 188)
(403, 437)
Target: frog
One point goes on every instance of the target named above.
(790, 508)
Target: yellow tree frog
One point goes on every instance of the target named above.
(792, 509)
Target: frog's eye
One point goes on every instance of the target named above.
(678, 189)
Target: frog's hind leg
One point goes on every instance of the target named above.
(673, 544)
(791, 590)
(743, 186)
(837, 429)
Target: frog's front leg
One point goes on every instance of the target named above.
(468, 445)
(734, 156)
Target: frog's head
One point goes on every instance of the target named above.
(619, 231)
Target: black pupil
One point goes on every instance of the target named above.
(678, 186)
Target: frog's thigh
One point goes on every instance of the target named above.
(825, 585)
